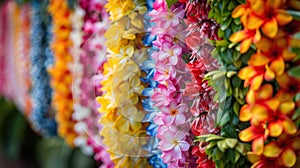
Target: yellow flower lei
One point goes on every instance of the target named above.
(60, 72)
(124, 136)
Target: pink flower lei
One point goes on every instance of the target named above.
(173, 117)
(92, 58)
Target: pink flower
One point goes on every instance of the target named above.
(168, 55)
(160, 5)
(164, 72)
(162, 96)
(174, 113)
(174, 144)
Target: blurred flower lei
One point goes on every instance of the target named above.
(122, 114)
(21, 19)
(41, 115)
(61, 72)
(3, 39)
(148, 67)
(200, 30)
(272, 106)
(92, 48)
(173, 127)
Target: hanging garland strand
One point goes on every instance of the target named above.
(270, 104)
(41, 116)
(123, 130)
(60, 72)
(148, 67)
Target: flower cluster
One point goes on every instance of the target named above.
(123, 131)
(61, 70)
(269, 109)
(172, 118)
(41, 116)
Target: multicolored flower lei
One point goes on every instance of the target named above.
(61, 70)
(270, 104)
(41, 116)
(121, 103)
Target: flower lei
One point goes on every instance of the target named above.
(122, 86)
(271, 106)
(94, 26)
(3, 39)
(60, 72)
(173, 128)
(148, 67)
(21, 57)
(41, 115)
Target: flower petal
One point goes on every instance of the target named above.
(254, 22)
(260, 113)
(278, 66)
(245, 45)
(184, 146)
(258, 145)
(288, 126)
(247, 134)
(239, 36)
(270, 28)
(259, 59)
(266, 91)
(288, 158)
(245, 114)
(287, 107)
(257, 81)
(272, 150)
(275, 129)
(269, 74)
(247, 72)
(239, 11)
(283, 17)
(165, 146)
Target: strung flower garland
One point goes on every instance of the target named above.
(173, 127)
(21, 57)
(148, 67)
(270, 106)
(86, 114)
(3, 38)
(41, 116)
(200, 29)
(61, 70)
(123, 131)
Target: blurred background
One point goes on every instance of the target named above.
(20, 147)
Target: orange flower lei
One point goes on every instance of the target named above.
(60, 72)
(270, 107)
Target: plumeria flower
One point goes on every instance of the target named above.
(164, 72)
(175, 144)
(168, 54)
(162, 96)
(174, 113)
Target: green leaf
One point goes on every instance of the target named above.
(295, 14)
(171, 2)
(296, 114)
(295, 72)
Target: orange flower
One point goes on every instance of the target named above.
(265, 14)
(247, 37)
(289, 87)
(273, 55)
(257, 134)
(254, 75)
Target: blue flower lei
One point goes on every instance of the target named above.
(41, 57)
(148, 67)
